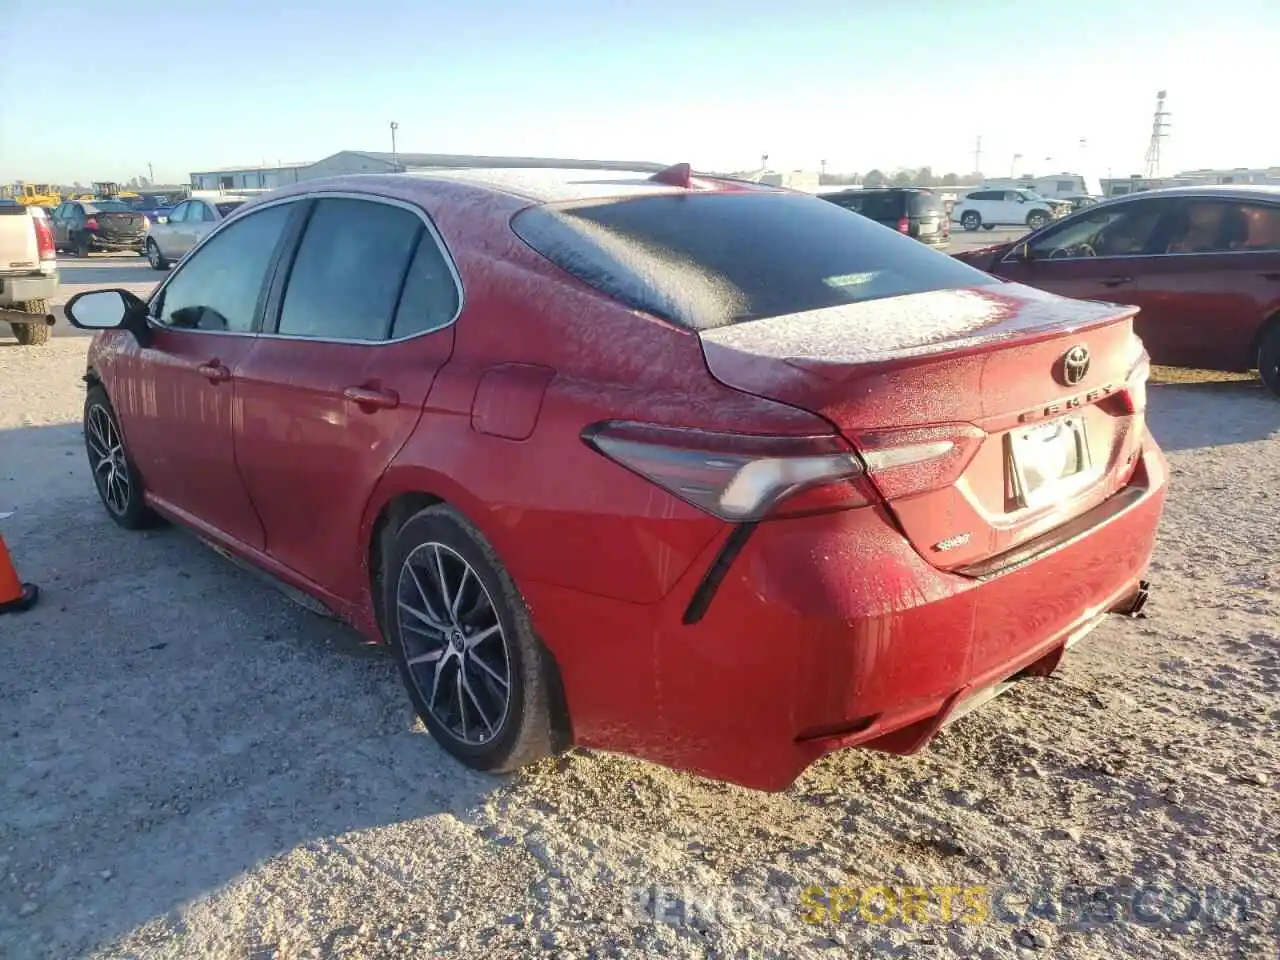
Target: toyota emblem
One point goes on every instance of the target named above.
(1074, 365)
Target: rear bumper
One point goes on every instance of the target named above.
(21, 289)
(830, 632)
(128, 242)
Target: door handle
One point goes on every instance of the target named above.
(1116, 281)
(372, 398)
(214, 371)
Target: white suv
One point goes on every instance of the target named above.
(1002, 208)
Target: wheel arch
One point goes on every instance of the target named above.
(399, 500)
(1270, 323)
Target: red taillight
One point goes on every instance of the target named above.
(914, 460)
(738, 477)
(44, 239)
(904, 225)
(91, 224)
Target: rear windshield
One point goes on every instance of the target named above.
(226, 206)
(107, 206)
(889, 205)
(708, 260)
(923, 204)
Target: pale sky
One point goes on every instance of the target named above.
(861, 85)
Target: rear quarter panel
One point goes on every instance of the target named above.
(555, 510)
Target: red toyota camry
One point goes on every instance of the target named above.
(710, 473)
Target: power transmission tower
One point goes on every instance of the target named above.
(1159, 130)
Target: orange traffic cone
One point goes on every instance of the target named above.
(15, 596)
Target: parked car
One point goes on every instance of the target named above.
(28, 272)
(1203, 263)
(151, 205)
(1079, 203)
(915, 211)
(1002, 208)
(698, 470)
(185, 226)
(82, 226)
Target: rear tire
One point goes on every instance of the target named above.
(32, 334)
(482, 653)
(1037, 219)
(82, 245)
(155, 257)
(1269, 358)
(971, 220)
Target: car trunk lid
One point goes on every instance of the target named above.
(987, 416)
(113, 223)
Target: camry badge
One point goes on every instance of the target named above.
(1074, 365)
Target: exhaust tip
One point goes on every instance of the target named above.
(1139, 600)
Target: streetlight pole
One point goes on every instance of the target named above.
(395, 164)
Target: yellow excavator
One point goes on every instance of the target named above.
(36, 194)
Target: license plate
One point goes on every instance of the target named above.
(1049, 460)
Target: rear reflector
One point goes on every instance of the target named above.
(737, 477)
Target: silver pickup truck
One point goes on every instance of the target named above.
(28, 272)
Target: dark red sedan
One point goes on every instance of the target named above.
(715, 474)
(1202, 263)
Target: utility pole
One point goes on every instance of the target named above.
(395, 163)
(1159, 130)
(151, 173)
(977, 156)
(1014, 166)
(822, 177)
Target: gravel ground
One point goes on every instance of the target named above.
(194, 767)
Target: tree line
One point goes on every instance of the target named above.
(906, 177)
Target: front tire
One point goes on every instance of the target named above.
(114, 473)
(1269, 358)
(32, 334)
(971, 220)
(155, 257)
(476, 674)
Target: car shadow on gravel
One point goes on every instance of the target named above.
(1189, 416)
(170, 721)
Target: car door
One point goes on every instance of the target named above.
(176, 396)
(59, 222)
(355, 332)
(1214, 281)
(1096, 254)
(199, 223)
(166, 234)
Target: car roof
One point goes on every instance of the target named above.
(1217, 191)
(556, 184)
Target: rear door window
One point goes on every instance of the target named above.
(707, 260)
(349, 270)
(884, 206)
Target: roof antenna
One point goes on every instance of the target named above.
(679, 175)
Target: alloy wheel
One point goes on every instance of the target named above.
(153, 254)
(107, 459)
(454, 644)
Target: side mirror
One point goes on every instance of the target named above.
(110, 310)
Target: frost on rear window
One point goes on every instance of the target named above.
(708, 260)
